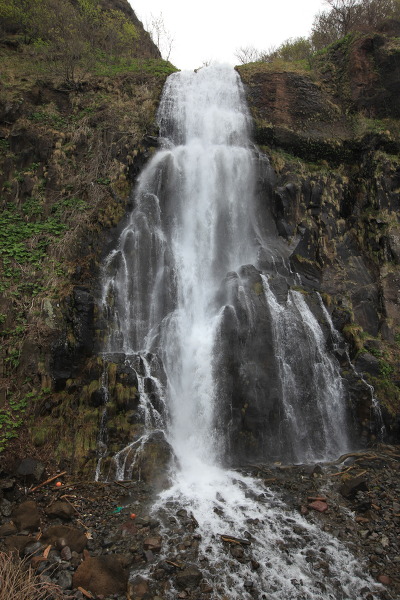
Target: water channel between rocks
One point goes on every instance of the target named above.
(231, 364)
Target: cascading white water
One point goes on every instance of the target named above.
(324, 393)
(179, 280)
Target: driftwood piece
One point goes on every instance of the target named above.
(234, 540)
(169, 562)
(341, 472)
(344, 457)
(85, 592)
(121, 485)
(47, 481)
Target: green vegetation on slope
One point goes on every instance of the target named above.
(79, 88)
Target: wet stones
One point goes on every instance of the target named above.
(188, 578)
(237, 552)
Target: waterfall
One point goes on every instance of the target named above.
(199, 280)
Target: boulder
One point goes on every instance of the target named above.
(62, 535)
(350, 488)
(101, 575)
(151, 465)
(18, 542)
(368, 363)
(60, 510)
(319, 506)
(30, 469)
(153, 543)
(26, 516)
(188, 578)
(8, 529)
(138, 588)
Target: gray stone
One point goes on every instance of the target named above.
(188, 578)
(33, 548)
(5, 508)
(31, 469)
(64, 580)
(350, 488)
(66, 553)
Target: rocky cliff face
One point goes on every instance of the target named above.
(69, 159)
(332, 136)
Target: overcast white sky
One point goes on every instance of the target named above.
(215, 29)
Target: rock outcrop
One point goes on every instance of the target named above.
(332, 136)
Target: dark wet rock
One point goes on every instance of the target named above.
(17, 542)
(102, 575)
(5, 507)
(318, 506)
(350, 488)
(237, 552)
(189, 578)
(60, 510)
(66, 553)
(64, 580)
(153, 543)
(30, 469)
(8, 529)
(62, 535)
(7, 484)
(149, 556)
(138, 588)
(33, 548)
(153, 461)
(26, 516)
(368, 363)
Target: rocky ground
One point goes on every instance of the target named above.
(95, 540)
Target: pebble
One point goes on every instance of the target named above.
(64, 580)
(5, 508)
(319, 506)
(66, 553)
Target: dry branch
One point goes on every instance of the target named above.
(47, 481)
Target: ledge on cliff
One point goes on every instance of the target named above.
(342, 103)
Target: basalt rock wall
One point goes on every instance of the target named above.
(332, 137)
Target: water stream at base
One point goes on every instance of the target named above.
(194, 281)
